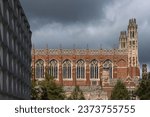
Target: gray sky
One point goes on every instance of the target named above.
(93, 22)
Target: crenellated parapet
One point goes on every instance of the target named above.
(79, 52)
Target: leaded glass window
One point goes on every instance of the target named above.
(80, 69)
(53, 69)
(94, 69)
(39, 69)
(67, 69)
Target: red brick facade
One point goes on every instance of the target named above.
(122, 62)
(119, 61)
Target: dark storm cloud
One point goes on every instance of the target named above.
(144, 39)
(64, 11)
(144, 48)
(93, 22)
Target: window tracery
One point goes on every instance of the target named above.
(53, 69)
(80, 69)
(67, 69)
(94, 69)
(39, 69)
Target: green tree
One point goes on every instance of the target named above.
(143, 91)
(120, 92)
(33, 91)
(77, 94)
(47, 89)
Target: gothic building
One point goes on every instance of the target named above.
(15, 51)
(91, 67)
(145, 73)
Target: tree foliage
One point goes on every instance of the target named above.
(47, 89)
(34, 91)
(120, 92)
(143, 91)
(77, 94)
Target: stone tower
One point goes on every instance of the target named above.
(123, 40)
(144, 71)
(132, 41)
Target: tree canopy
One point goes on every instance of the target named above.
(47, 89)
(120, 92)
(143, 91)
(77, 94)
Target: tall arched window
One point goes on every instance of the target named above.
(107, 69)
(67, 69)
(53, 69)
(39, 69)
(80, 69)
(94, 69)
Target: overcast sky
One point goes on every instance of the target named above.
(94, 22)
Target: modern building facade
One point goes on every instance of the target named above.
(89, 67)
(15, 51)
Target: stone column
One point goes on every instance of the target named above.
(100, 73)
(115, 71)
(87, 73)
(60, 72)
(74, 72)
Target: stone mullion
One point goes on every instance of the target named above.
(114, 71)
(100, 73)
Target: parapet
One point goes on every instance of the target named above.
(79, 52)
